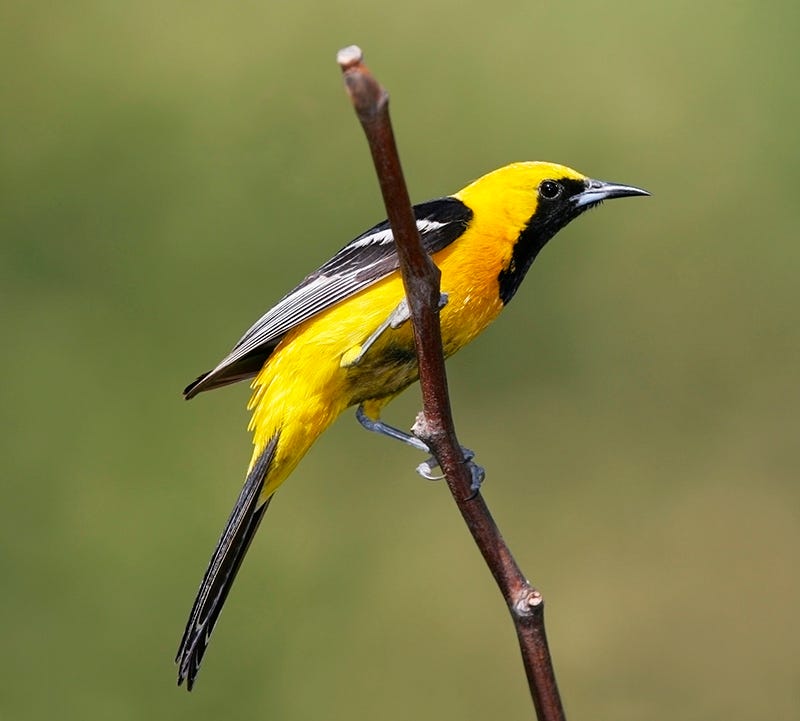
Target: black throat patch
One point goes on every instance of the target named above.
(550, 217)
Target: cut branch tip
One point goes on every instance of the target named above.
(349, 56)
(368, 96)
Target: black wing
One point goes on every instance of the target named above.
(365, 260)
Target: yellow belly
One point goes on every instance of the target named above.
(305, 385)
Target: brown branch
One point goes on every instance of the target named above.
(435, 424)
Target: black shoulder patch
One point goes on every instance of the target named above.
(440, 222)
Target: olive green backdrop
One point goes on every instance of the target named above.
(170, 169)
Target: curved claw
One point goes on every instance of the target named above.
(425, 469)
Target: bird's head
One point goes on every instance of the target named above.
(536, 199)
(549, 194)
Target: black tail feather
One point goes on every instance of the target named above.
(221, 571)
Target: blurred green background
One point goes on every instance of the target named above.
(169, 170)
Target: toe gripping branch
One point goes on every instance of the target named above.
(426, 468)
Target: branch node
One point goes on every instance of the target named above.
(529, 602)
(421, 428)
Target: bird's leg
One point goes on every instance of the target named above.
(397, 317)
(378, 426)
(425, 469)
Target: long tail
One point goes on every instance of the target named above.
(221, 572)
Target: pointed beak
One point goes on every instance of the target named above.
(598, 190)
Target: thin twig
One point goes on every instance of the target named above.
(435, 425)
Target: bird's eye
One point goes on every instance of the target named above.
(549, 189)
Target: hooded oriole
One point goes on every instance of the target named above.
(343, 338)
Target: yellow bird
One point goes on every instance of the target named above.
(343, 338)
